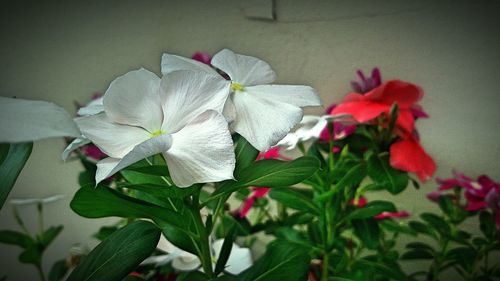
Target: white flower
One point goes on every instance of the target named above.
(36, 201)
(262, 113)
(309, 128)
(178, 115)
(239, 258)
(92, 108)
(27, 120)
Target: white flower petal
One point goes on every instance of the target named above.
(186, 263)
(289, 141)
(109, 166)
(27, 120)
(75, 144)
(157, 260)
(229, 111)
(243, 69)
(133, 99)
(92, 108)
(312, 126)
(171, 63)
(263, 122)
(202, 151)
(186, 94)
(239, 258)
(297, 95)
(113, 139)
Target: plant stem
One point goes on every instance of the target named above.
(40, 272)
(324, 271)
(205, 254)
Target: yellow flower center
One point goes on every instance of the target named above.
(157, 133)
(237, 87)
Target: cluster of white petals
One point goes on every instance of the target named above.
(186, 115)
(259, 111)
(310, 127)
(239, 258)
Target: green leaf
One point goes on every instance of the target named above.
(487, 224)
(392, 270)
(420, 246)
(437, 223)
(58, 270)
(371, 209)
(281, 261)
(225, 251)
(271, 172)
(381, 172)
(50, 234)
(245, 154)
(192, 276)
(368, 231)
(119, 254)
(32, 255)
(422, 228)
(102, 202)
(138, 178)
(14, 158)
(393, 226)
(15, 238)
(293, 199)
(162, 192)
(104, 232)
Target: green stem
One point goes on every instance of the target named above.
(205, 254)
(40, 272)
(326, 261)
(40, 217)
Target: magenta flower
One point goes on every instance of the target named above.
(392, 215)
(202, 57)
(367, 83)
(480, 194)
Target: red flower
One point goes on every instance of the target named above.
(406, 154)
(366, 107)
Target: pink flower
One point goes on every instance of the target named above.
(93, 152)
(202, 57)
(480, 194)
(392, 215)
(367, 83)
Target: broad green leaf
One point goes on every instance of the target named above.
(271, 172)
(119, 254)
(58, 270)
(15, 238)
(282, 261)
(245, 154)
(161, 191)
(225, 251)
(367, 230)
(32, 255)
(422, 228)
(371, 209)
(487, 224)
(420, 246)
(14, 159)
(437, 223)
(192, 276)
(102, 202)
(139, 178)
(381, 172)
(293, 199)
(50, 234)
(393, 226)
(104, 232)
(391, 270)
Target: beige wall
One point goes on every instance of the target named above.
(64, 52)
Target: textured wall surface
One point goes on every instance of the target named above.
(63, 52)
